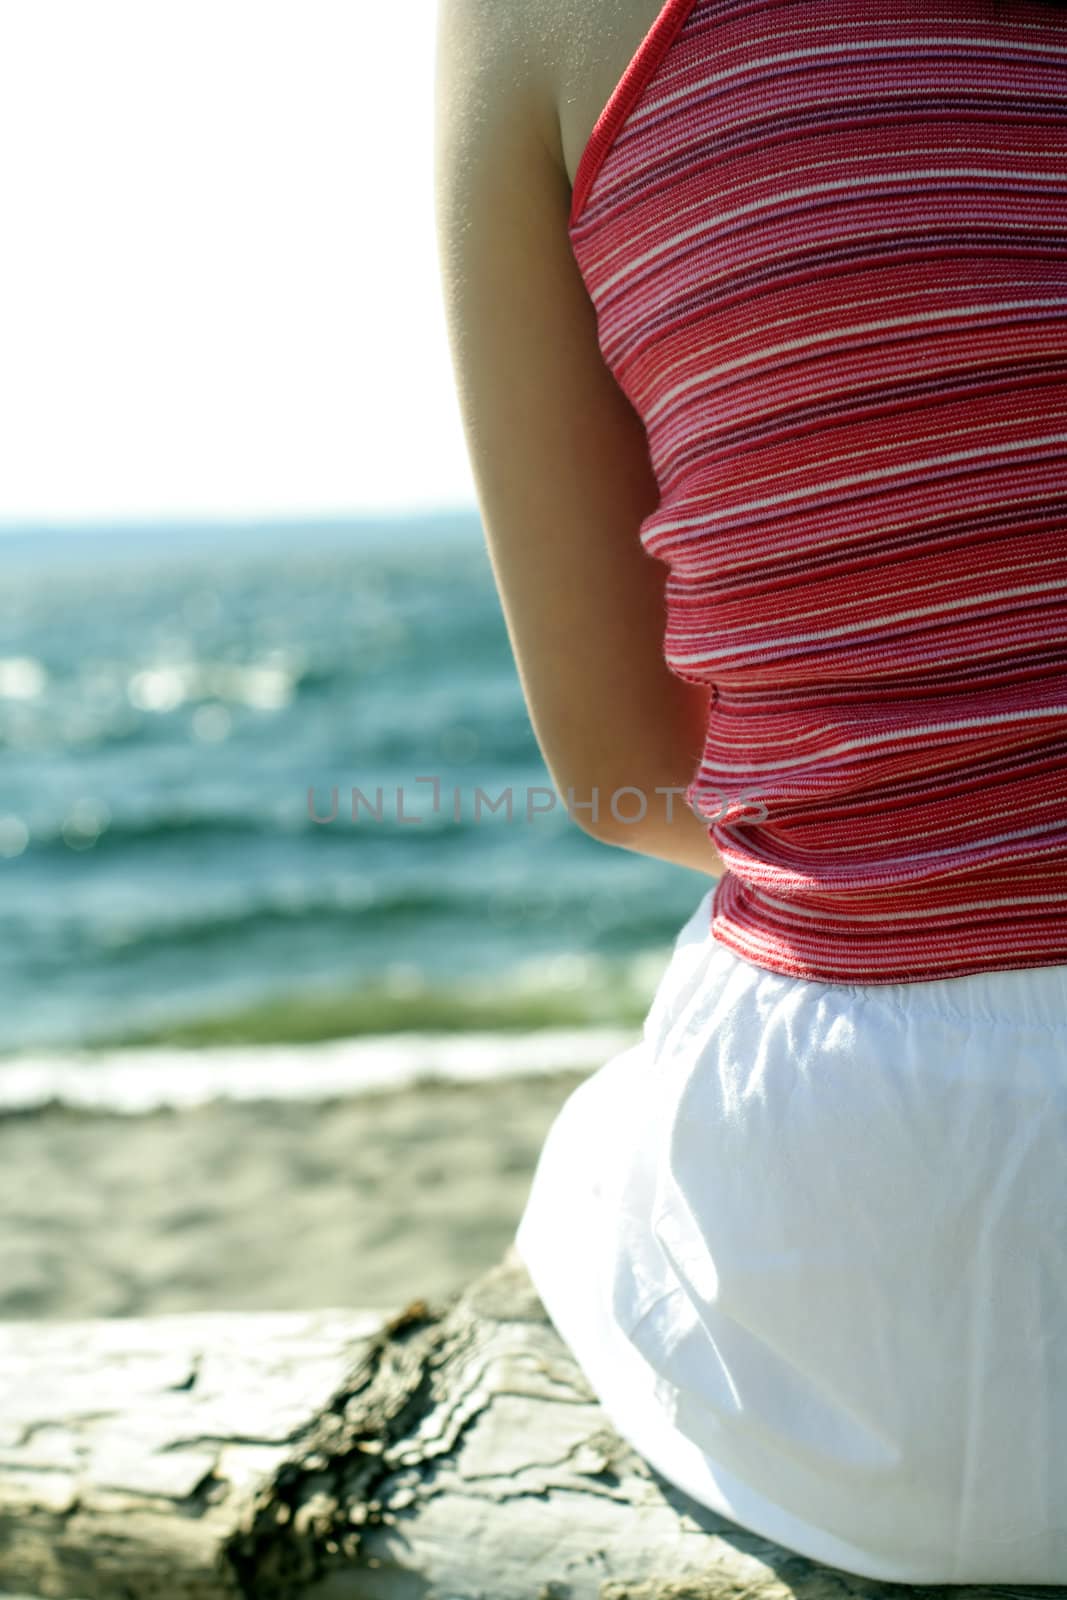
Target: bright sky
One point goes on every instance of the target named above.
(219, 270)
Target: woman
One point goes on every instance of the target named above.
(758, 313)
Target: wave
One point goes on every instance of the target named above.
(135, 1082)
(356, 907)
(562, 991)
(129, 837)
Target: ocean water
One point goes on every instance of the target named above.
(178, 706)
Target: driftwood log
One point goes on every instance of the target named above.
(452, 1452)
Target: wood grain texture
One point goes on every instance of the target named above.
(129, 1449)
(451, 1452)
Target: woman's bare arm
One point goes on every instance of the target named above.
(559, 456)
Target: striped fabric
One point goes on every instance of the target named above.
(826, 241)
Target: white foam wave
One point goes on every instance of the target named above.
(136, 1081)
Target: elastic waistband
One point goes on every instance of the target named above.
(1034, 996)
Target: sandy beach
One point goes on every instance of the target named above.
(368, 1201)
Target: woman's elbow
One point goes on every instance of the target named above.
(615, 809)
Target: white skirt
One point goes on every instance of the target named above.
(808, 1243)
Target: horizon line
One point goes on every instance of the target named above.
(243, 519)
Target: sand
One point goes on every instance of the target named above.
(369, 1201)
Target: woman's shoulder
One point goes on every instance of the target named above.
(560, 58)
(592, 43)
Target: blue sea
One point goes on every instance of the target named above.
(182, 710)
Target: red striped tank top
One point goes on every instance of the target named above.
(826, 241)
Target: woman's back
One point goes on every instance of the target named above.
(826, 241)
(807, 1238)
